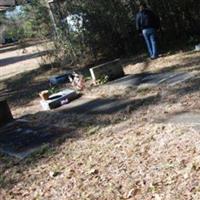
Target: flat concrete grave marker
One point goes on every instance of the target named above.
(21, 138)
(112, 70)
(5, 113)
(167, 78)
(55, 100)
(187, 119)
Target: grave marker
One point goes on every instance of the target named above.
(112, 70)
(55, 100)
(5, 113)
(60, 79)
(21, 138)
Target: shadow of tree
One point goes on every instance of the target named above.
(12, 60)
(188, 64)
(112, 112)
(141, 58)
(16, 46)
(22, 88)
(189, 87)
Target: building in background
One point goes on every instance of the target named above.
(5, 4)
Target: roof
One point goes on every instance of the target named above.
(6, 4)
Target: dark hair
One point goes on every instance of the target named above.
(143, 4)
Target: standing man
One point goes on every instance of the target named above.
(147, 23)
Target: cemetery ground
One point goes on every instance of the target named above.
(146, 147)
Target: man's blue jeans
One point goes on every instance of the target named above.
(150, 39)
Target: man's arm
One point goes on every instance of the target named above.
(156, 20)
(138, 26)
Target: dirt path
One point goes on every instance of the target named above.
(16, 60)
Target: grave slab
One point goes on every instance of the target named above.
(21, 138)
(168, 78)
(188, 119)
(101, 106)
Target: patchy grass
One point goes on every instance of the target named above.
(144, 90)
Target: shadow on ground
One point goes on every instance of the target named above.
(16, 46)
(110, 105)
(13, 60)
(188, 64)
(22, 88)
(189, 87)
(79, 123)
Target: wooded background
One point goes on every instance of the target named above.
(106, 28)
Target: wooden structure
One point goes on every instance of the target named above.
(5, 4)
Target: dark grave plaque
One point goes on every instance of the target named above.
(5, 113)
(60, 79)
(21, 138)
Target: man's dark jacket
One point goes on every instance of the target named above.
(147, 19)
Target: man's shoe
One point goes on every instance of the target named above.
(153, 58)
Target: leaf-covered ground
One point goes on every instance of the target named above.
(131, 154)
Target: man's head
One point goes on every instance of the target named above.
(142, 6)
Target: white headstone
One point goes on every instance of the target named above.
(197, 47)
